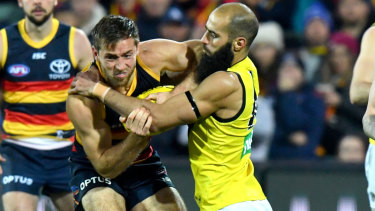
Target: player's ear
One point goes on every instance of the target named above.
(95, 52)
(239, 43)
(20, 3)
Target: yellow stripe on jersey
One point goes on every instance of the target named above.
(372, 141)
(36, 97)
(147, 69)
(40, 136)
(42, 43)
(33, 130)
(5, 47)
(71, 47)
(219, 151)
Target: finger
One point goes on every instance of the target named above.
(146, 128)
(131, 117)
(141, 120)
(152, 96)
(72, 91)
(122, 119)
(73, 84)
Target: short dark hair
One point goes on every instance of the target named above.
(112, 28)
(243, 26)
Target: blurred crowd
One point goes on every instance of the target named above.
(305, 51)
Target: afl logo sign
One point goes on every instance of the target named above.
(59, 66)
(18, 70)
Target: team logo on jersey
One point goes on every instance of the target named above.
(39, 55)
(18, 70)
(60, 67)
(247, 144)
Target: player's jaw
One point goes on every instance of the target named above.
(38, 15)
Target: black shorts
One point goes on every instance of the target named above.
(34, 171)
(137, 183)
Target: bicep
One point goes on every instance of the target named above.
(93, 133)
(162, 55)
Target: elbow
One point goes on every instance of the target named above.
(106, 171)
(357, 100)
(356, 96)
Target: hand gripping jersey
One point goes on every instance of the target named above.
(36, 77)
(219, 150)
(143, 80)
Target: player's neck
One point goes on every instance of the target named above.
(238, 57)
(38, 33)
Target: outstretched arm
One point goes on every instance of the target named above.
(95, 135)
(363, 74)
(178, 109)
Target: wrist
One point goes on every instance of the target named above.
(100, 91)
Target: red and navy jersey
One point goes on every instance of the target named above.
(143, 80)
(36, 77)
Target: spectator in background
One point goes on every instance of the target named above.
(341, 116)
(266, 51)
(317, 29)
(150, 17)
(126, 8)
(204, 8)
(9, 13)
(280, 11)
(175, 25)
(354, 17)
(351, 149)
(299, 113)
(87, 13)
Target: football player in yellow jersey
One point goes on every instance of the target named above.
(220, 105)
(362, 89)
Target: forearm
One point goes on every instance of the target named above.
(359, 93)
(116, 159)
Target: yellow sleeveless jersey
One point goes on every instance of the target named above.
(219, 150)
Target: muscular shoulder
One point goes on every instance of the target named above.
(223, 79)
(162, 54)
(82, 49)
(79, 107)
(220, 84)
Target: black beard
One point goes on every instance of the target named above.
(41, 22)
(219, 61)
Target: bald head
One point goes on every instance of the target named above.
(240, 21)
